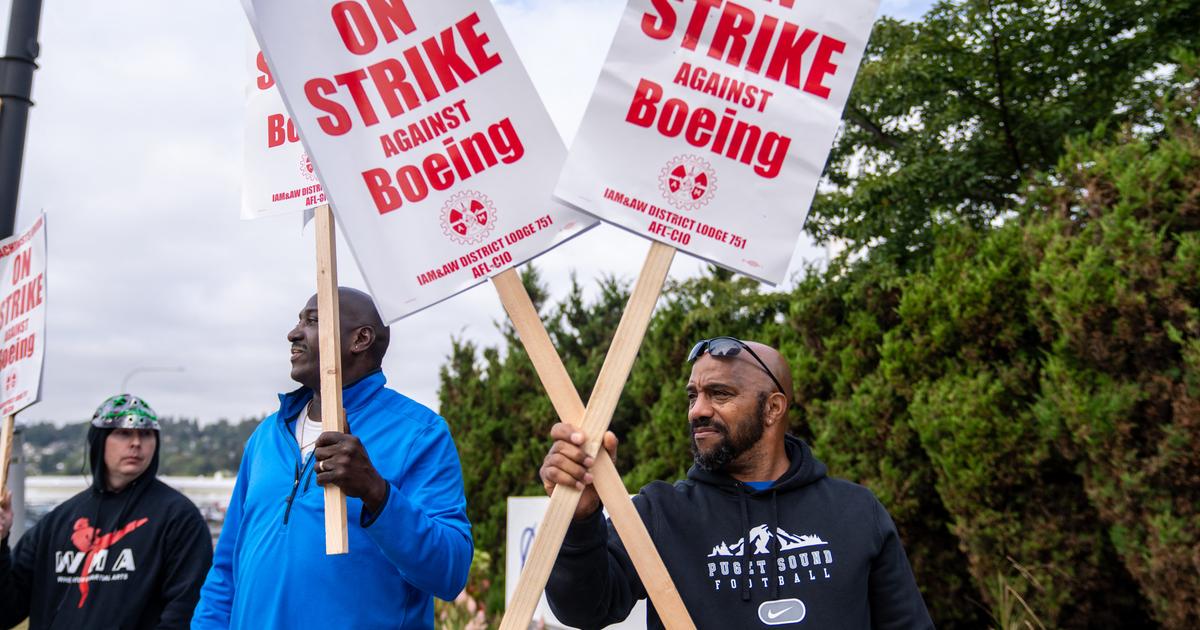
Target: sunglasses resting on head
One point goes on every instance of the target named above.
(723, 347)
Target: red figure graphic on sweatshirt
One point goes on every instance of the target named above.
(86, 538)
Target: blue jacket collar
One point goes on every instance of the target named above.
(354, 396)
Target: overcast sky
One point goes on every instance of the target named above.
(135, 152)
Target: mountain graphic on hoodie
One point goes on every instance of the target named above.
(760, 536)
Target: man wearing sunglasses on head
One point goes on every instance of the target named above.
(757, 535)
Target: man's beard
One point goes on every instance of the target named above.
(732, 445)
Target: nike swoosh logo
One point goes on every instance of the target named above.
(772, 614)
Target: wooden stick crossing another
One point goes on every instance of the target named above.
(594, 420)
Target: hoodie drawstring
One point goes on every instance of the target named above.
(773, 542)
(745, 548)
(778, 544)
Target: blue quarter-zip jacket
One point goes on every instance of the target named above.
(270, 569)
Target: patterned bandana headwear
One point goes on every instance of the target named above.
(125, 411)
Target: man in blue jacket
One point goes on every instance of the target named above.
(409, 535)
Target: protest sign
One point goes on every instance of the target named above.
(429, 138)
(711, 123)
(22, 317)
(279, 176)
(23, 324)
(522, 518)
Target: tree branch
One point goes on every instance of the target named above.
(860, 119)
(1005, 118)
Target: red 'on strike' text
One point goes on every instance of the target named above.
(741, 39)
(430, 69)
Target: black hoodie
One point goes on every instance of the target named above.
(809, 552)
(133, 559)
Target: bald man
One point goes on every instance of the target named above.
(756, 536)
(409, 536)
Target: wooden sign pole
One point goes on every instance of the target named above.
(330, 332)
(594, 420)
(6, 442)
(567, 403)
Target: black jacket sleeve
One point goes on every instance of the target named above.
(896, 604)
(593, 583)
(16, 578)
(189, 555)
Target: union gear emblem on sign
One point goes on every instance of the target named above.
(306, 168)
(687, 182)
(468, 217)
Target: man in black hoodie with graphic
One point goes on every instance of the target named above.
(129, 552)
(757, 535)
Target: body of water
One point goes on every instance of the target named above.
(210, 494)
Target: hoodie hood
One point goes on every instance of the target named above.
(803, 469)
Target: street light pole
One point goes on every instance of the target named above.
(16, 88)
(142, 370)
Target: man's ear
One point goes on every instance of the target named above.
(362, 339)
(777, 408)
